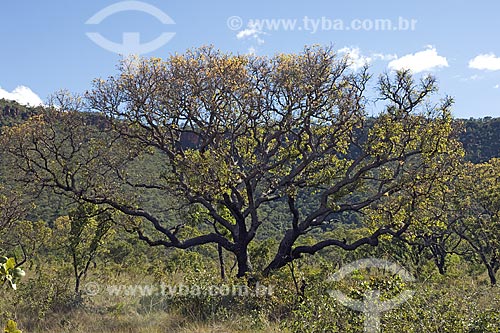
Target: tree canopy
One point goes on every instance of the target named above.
(237, 132)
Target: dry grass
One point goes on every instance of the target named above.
(83, 322)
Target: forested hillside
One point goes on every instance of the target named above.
(14, 113)
(480, 137)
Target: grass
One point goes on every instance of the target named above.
(161, 322)
(452, 303)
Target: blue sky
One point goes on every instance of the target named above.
(45, 47)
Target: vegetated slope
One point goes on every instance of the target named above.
(12, 113)
(480, 137)
(46, 206)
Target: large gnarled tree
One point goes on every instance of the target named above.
(235, 132)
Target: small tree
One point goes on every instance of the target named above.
(431, 217)
(82, 234)
(478, 209)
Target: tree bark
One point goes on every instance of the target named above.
(283, 256)
(491, 274)
(243, 260)
(221, 262)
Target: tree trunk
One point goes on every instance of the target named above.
(77, 285)
(491, 274)
(441, 264)
(278, 262)
(75, 272)
(243, 260)
(284, 252)
(221, 262)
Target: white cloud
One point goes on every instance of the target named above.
(422, 61)
(22, 95)
(252, 31)
(385, 57)
(356, 59)
(497, 86)
(485, 62)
